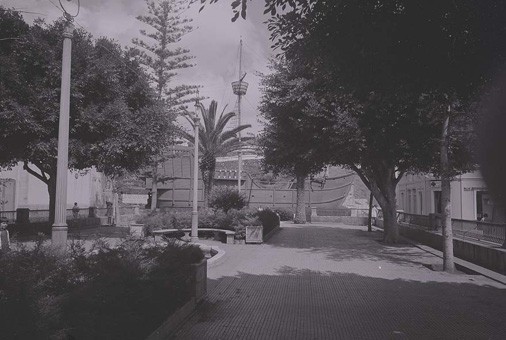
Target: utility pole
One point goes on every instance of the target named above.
(240, 87)
(59, 230)
(195, 211)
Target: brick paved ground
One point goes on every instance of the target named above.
(338, 282)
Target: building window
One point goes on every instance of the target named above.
(420, 200)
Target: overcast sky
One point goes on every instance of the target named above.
(214, 42)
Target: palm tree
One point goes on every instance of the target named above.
(214, 142)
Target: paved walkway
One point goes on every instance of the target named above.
(331, 281)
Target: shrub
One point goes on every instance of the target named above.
(166, 220)
(122, 293)
(226, 198)
(284, 214)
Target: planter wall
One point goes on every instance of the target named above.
(199, 284)
(254, 234)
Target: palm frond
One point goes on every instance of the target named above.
(232, 133)
(223, 121)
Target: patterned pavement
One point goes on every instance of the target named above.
(331, 281)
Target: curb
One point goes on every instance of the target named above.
(216, 259)
(468, 265)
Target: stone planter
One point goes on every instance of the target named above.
(199, 280)
(137, 230)
(254, 234)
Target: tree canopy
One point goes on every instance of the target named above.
(116, 122)
(388, 70)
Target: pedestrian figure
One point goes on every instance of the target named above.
(75, 211)
(4, 235)
(374, 214)
(108, 213)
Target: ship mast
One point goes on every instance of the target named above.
(239, 87)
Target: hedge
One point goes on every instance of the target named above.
(122, 293)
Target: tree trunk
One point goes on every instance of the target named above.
(208, 179)
(208, 187)
(385, 195)
(51, 188)
(300, 209)
(446, 209)
(391, 234)
(369, 220)
(154, 187)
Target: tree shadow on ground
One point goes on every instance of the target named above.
(347, 244)
(306, 304)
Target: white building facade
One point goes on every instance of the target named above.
(421, 194)
(19, 189)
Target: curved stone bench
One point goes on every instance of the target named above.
(229, 235)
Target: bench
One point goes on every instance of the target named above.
(229, 235)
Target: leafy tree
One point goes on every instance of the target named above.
(159, 53)
(214, 142)
(389, 70)
(289, 145)
(116, 123)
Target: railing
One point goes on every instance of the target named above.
(466, 229)
(491, 232)
(419, 220)
(43, 215)
(9, 215)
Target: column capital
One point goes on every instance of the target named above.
(68, 32)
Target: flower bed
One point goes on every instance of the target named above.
(121, 293)
(235, 220)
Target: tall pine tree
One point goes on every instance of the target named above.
(159, 52)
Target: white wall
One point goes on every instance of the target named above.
(83, 188)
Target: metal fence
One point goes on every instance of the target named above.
(487, 231)
(465, 229)
(419, 220)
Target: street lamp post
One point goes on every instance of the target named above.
(59, 230)
(195, 212)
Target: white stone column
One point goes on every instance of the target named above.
(195, 212)
(59, 230)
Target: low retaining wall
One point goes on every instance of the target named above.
(199, 291)
(493, 258)
(351, 220)
(271, 233)
(29, 228)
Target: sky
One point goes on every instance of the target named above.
(214, 42)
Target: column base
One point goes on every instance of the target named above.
(59, 236)
(194, 239)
